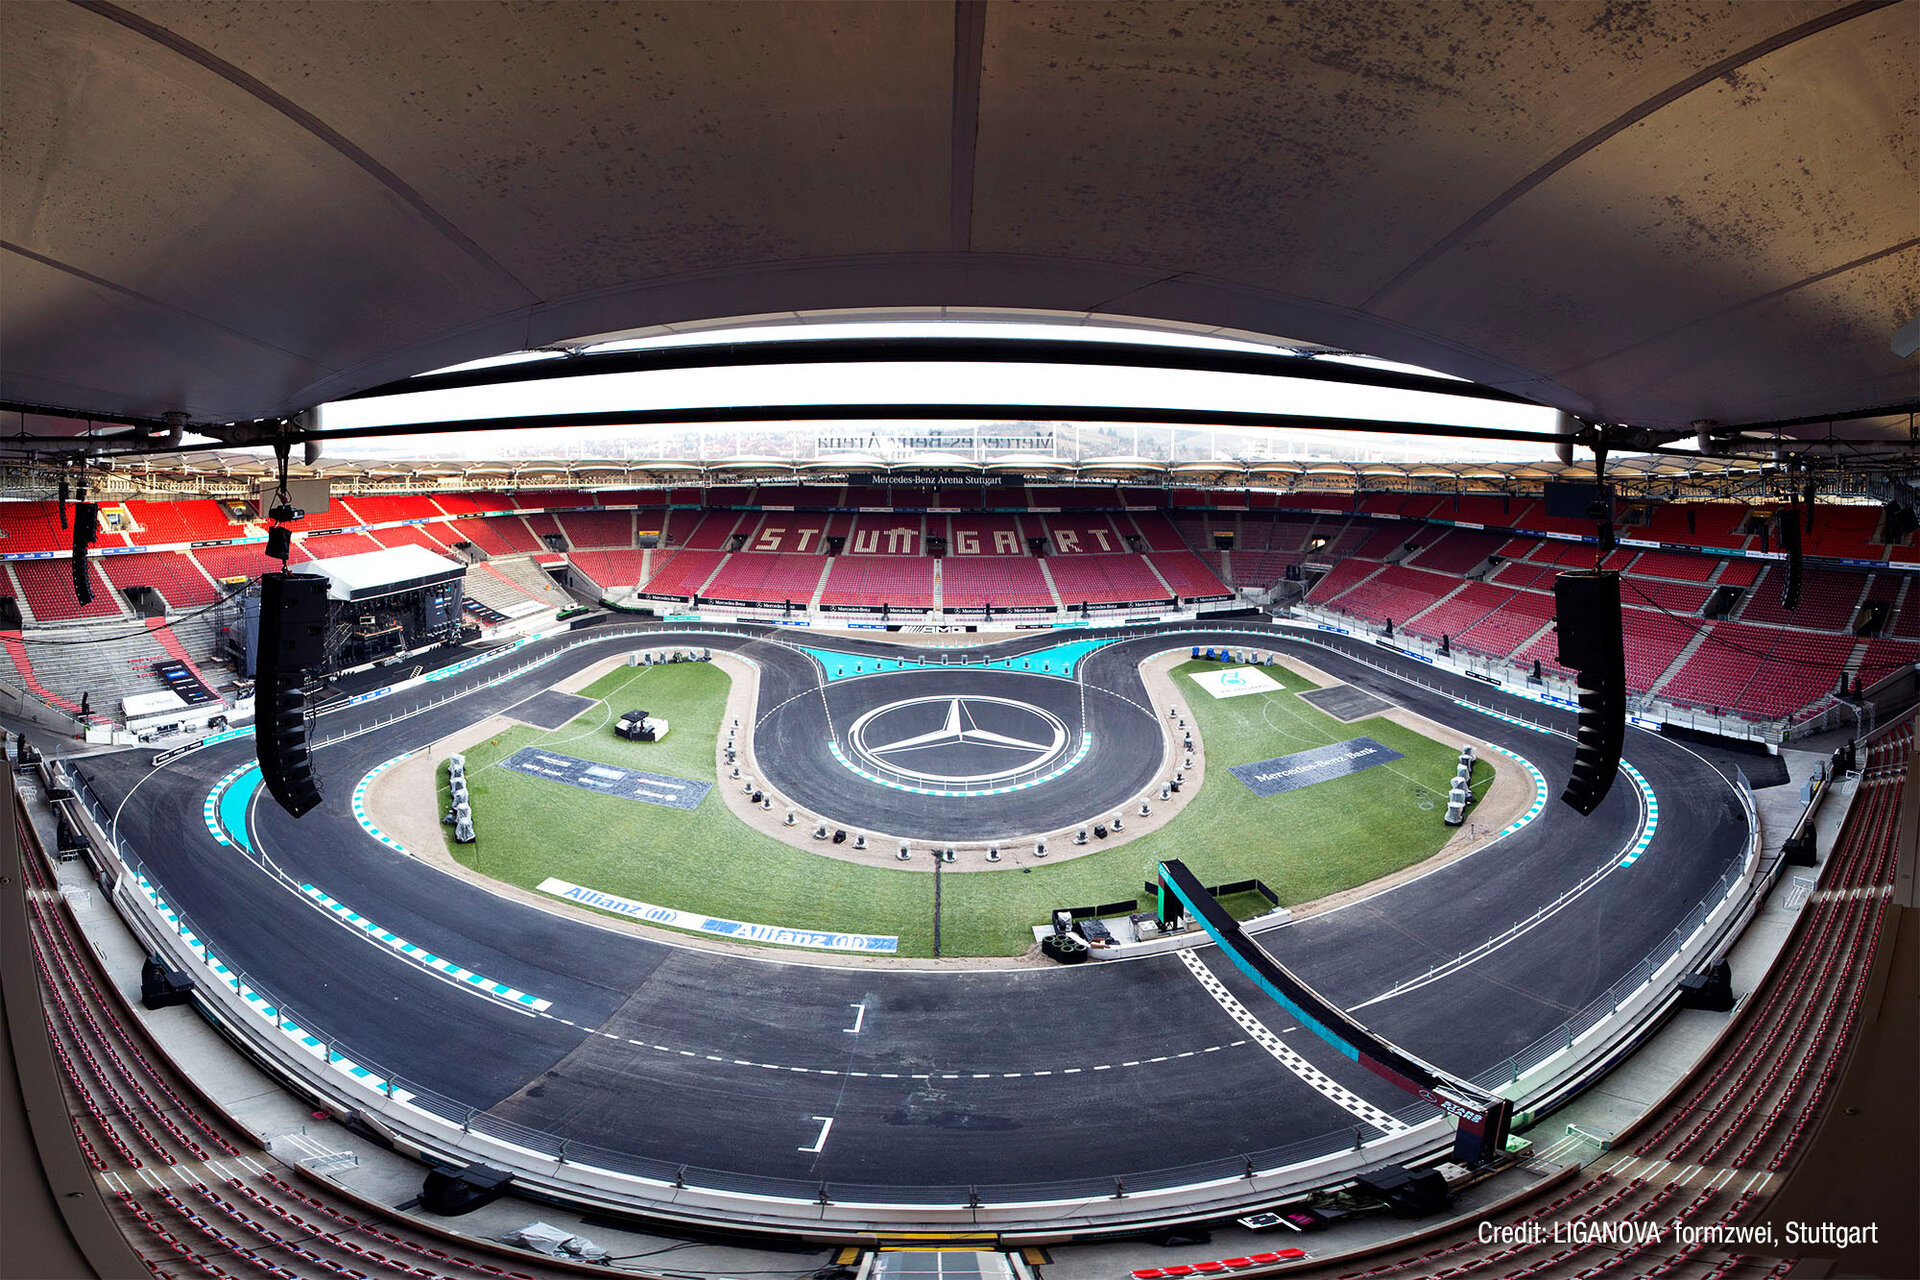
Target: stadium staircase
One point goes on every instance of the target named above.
(163, 632)
(17, 650)
(1046, 576)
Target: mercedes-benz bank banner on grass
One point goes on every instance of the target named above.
(608, 780)
(1321, 764)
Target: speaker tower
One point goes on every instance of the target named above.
(293, 633)
(1587, 618)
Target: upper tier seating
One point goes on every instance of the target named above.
(901, 581)
(1739, 573)
(385, 508)
(973, 582)
(1158, 532)
(791, 495)
(1112, 579)
(460, 504)
(189, 520)
(32, 526)
(1843, 533)
(596, 528)
(1456, 551)
(551, 499)
(174, 574)
(715, 530)
(1187, 574)
(46, 589)
(770, 578)
(336, 516)
(1698, 524)
(1497, 513)
(1383, 540)
(1338, 540)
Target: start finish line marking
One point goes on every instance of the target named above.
(699, 922)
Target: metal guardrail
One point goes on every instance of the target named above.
(1248, 1165)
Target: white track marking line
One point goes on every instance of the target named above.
(826, 1124)
(1263, 1036)
(859, 1016)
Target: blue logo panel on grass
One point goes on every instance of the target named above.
(607, 779)
(1321, 764)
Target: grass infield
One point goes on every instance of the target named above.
(1304, 844)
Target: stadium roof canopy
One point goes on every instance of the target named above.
(240, 473)
(1648, 214)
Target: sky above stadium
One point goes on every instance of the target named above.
(1067, 386)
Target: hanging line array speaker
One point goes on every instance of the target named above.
(1587, 618)
(293, 634)
(86, 531)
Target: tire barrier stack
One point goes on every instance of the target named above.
(661, 657)
(460, 816)
(1461, 794)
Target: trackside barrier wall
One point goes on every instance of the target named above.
(324, 1067)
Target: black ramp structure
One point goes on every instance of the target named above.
(1484, 1117)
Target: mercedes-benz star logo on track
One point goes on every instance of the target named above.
(967, 740)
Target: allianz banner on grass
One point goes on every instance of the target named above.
(700, 923)
(1321, 764)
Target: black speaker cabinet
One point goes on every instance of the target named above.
(293, 622)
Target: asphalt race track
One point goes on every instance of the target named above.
(674, 1055)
